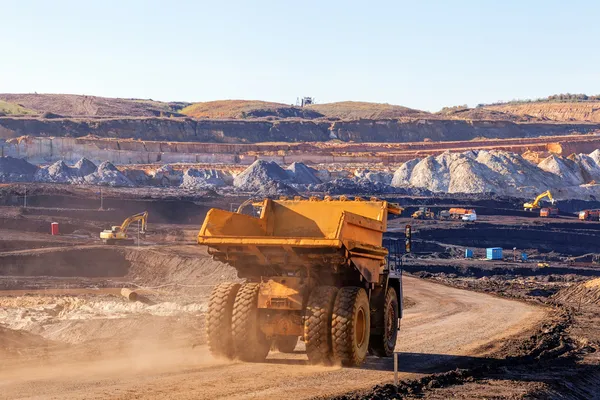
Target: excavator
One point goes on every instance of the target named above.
(118, 234)
(535, 205)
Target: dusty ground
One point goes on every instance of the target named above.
(66, 333)
(445, 328)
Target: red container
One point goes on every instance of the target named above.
(54, 228)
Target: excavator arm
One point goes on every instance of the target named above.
(137, 217)
(535, 204)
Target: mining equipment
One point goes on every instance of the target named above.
(118, 234)
(536, 203)
(315, 269)
(423, 213)
(549, 212)
(457, 213)
(589, 215)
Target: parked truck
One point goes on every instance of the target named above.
(457, 213)
(315, 269)
(589, 215)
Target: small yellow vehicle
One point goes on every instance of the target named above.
(118, 234)
(315, 269)
(423, 213)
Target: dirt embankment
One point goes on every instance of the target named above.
(560, 111)
(246, 131)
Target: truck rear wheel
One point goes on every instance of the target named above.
(317, 324)
(218, 319)
(384, 345)
(249, 342)
(350, 326)
(286, 344)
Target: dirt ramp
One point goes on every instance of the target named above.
(79, 261)
(584, 293)
(187, 269)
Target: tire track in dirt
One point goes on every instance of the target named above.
(446, 327)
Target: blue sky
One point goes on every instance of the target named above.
(421, 54)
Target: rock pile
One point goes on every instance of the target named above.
(59, 172)
(204, 179)
(16, 170)
(264, 177)
(108, 174)
(302, 174)
(83, 172)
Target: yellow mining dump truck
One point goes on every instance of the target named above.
(314, 269)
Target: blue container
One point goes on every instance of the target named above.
(493, 253)
(523, 257)
(468, 253)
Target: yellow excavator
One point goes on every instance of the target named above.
(535, 205)
(118, 234)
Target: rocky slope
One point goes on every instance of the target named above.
(91, 106)
(256, 131)
(559, 111)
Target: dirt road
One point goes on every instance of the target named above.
(445, 328)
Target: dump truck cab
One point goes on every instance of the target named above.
(315, 269)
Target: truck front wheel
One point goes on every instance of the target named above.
(249, 342)
(350, 326)
(317, 324)
(218, 319)
(384, 345)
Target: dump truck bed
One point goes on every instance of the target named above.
(300, 232)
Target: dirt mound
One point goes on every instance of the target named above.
(449, 172)
(555, 111)
(481, 113)
(384, 177)
(187, 269)
(16, 170)
(247, 109)
(108, 174)
(495, 171)
(204, 179)
(17, 342)
(77, 105)
(364, 110)
(584, 293)
(566, 170)
(264, 177)
(402, 174)
(302, 174)
(59, 172)
(589, 167)
(166, 175)
(83, 172)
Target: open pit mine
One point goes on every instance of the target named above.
(152, 250)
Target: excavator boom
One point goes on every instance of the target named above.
(118, 234)
(535, 204)
(137, 217)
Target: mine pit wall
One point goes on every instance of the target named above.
(67, 262)
(295, 130)
(41, 150)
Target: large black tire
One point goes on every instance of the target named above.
(317, 324)
(351, 326)
(286, 344)
(384, 345)
(249, 342)
(218, 319)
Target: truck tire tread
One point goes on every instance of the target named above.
(347, 302)
(317, 324)
(249, 341)
(218, 319)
